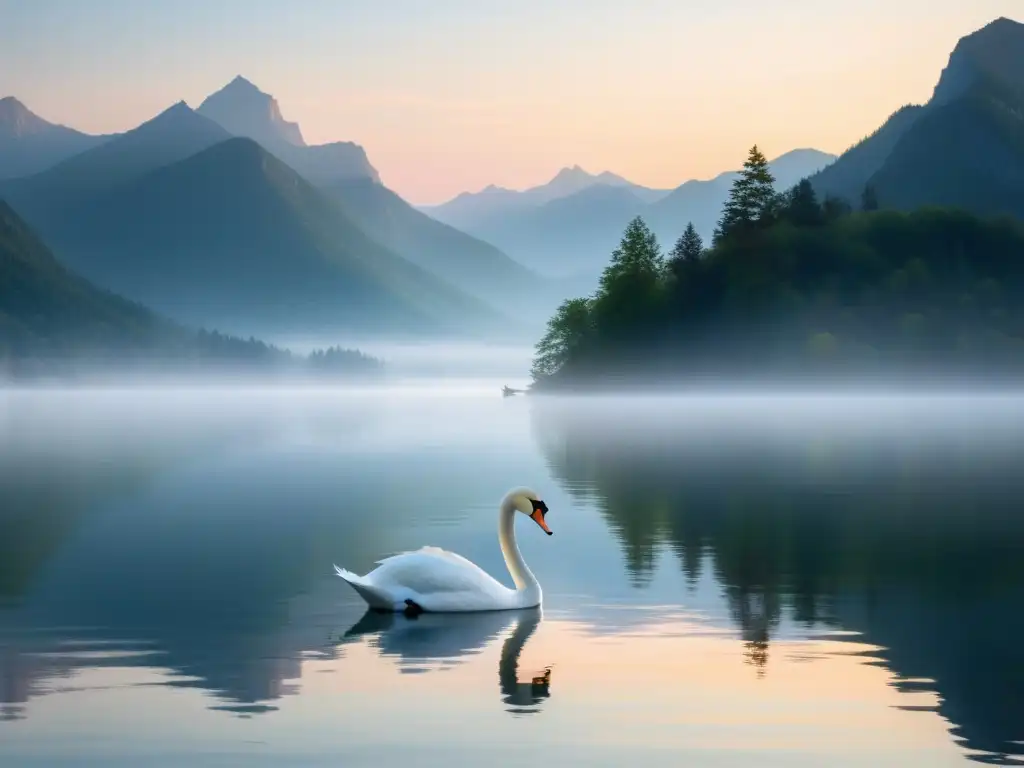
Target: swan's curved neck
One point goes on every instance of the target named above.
(525, 581)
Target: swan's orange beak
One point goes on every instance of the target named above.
(538, 517)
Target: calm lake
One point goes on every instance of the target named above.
(733, 581)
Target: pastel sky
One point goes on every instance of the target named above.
(452, 95)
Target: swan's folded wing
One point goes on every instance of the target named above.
(456, 558)
(433, 552)
(432, 570)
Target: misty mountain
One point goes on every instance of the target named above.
(242, 109)
(29, 144)
(233, 238)
(173, 135)
(77, 206)
(464, 261)
(569, 181)
(47, 310)
(343, 170)
(571, 236)
(471, 208)
(53, 321)
(964, 148)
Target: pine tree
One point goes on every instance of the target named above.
(630, 295)
(638, 258)
(752, 199)
(689, 249)
(802, 207)
(834, 207)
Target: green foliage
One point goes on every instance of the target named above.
(834, 208)
(752, 199)
(637, 260)
(800, 206)
(568, 333)
(337, 359)
(630, 297)
(689, 249)
(820, 288)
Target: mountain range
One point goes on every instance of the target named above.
(245, 244)
(494, 200)
(29, 144)
(964, 148)
(242, 109)
(52, 321)
(570, 225)
(225, 216)
(181, 214)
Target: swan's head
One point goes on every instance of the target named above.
(530, 504)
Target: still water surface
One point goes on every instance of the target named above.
(732, 581)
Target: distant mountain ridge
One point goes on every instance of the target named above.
(173, 135)
(568, 234)
(343, 171)
(234, 238)
(242, 109)
(964, 148)
(82, 205)
(570, 180)
(470, 264)
(18, 122)
(98, 195)
(29, 144)
(470, 206)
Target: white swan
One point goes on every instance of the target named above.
(434, 580)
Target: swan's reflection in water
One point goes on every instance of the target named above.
(446, 639)
(522, 698)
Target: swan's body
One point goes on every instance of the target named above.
(435, 580)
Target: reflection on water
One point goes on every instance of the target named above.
(897, 519)
(521, 697)
(436, 641)
(801, 582)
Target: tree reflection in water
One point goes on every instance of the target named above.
(903, 527)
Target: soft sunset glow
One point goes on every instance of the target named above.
(453, 95)
(674, 692)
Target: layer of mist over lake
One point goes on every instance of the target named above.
(418, 360)
(733, 580)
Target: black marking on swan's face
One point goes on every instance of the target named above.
(540, 511)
